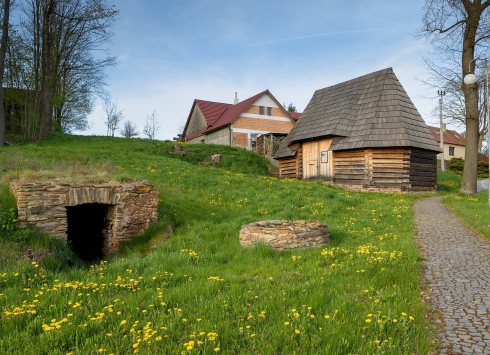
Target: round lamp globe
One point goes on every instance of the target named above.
(470, 79)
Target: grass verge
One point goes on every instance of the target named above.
(473, 209)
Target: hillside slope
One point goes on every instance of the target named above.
(200, 291)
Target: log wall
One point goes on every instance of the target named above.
(423, 170)
(397, 168)
(292, 168)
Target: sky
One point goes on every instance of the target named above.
(172, 52)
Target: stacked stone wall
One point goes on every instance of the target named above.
(283, 234)
(132, 207)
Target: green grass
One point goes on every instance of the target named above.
(359, 295)
(448, 182)
(473, 209)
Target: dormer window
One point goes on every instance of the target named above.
(261, 110)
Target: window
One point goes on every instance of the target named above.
(451, 151)
(324, 157)
(269, 111)
(261, 110)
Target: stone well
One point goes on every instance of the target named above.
(284, 234)
(121, 211)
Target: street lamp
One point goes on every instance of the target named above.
(441, 130)
(470, 79)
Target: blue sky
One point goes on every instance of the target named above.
(172, 52)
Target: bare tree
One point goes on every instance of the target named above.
(181, 127)
(3, 50)
(129, 130)
(55, 64)
(151, 125)
(113, 116)
(461, 29)
(445, 75)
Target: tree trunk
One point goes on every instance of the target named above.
(3, 50)
(46, 112)
(468, 184)
(481, 138)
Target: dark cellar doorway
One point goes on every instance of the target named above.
(85, 229)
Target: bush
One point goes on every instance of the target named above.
(483, 169)
(456, 165)
(8, 220)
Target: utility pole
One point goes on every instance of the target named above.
(488, 122)
(441, 130)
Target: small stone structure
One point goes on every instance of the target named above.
(284, 234)
(130, 207)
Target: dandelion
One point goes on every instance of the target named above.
(297, 331)
(216, 349)
(286, 323)
(368, 320)
(411, 318)
(327, 316)
(123, 322)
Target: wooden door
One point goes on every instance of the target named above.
(310, 161)
(317, 160)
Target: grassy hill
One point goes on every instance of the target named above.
(200, 292)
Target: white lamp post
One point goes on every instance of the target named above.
(441, 129)
(470, 79)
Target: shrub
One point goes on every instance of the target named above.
(456, 165)
(482, 169)
(8, 220)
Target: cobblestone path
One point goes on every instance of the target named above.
(458, 272)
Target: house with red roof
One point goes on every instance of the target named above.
(454, 143)
(237, 124)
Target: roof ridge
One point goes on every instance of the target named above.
(214, 102)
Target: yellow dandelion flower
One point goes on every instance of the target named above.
(286, 323)
(297, 331)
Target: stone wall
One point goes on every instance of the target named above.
(132, 207)
(284, 234)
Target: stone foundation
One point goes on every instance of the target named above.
(132, 207)
(282, 235)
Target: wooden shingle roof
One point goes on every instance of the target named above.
(369, 112)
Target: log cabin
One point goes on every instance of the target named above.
(365, 132)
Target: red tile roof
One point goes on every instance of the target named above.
(450, 137)
(211, 110)
(235, 110)
(218, 115)
(294, 115)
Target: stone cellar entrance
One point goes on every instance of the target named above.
(93, 218)
(87, 225)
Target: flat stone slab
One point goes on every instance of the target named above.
(283, 234)
(458, 273)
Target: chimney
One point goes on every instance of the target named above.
(236, 99)
(444, 127)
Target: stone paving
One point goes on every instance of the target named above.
(458, 272)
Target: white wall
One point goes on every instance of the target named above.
(266, 100)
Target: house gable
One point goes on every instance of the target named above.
(196, 123)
